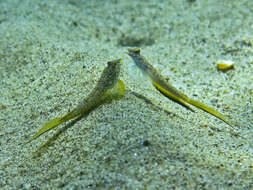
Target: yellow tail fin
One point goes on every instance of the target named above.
(50, 125)
(192, 102)
(208, 110)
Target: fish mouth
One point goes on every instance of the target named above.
(133, 51)
(116, 61)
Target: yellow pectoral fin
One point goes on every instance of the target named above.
(171, 96)
(209, 110)
(117, 92)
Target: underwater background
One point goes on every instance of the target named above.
(52, 53)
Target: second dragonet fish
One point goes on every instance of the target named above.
(160, 83)
(109, 87)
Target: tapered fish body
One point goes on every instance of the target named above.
(108, 87)
(167, 89)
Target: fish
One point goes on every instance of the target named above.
(167, 89)
(108, 87)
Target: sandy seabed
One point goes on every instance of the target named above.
(53, 52)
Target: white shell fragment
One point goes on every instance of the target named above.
(224, 65)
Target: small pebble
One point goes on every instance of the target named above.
(225, 65)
